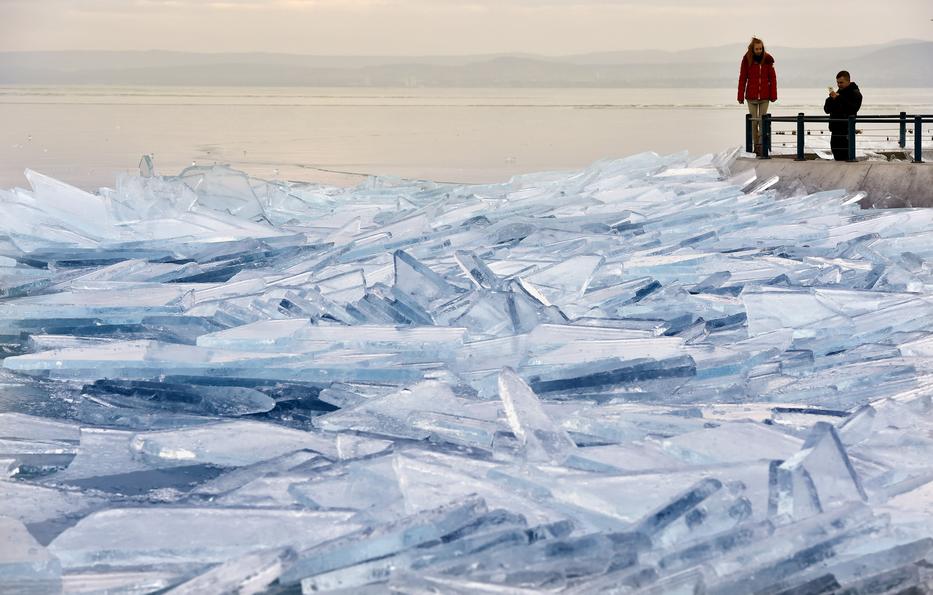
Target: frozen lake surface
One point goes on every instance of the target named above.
(84, 135)
(645, 376)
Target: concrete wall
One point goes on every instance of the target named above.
(888, 184)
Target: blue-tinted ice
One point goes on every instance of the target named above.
(649, 376)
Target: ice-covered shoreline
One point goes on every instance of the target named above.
(651, 375)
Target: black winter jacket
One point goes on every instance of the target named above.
(846, 104)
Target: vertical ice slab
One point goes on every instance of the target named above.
(419, 282)
(540, 437)
(817, 478)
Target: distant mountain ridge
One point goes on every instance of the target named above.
(902, 63)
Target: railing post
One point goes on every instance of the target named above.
(903, 139)
(918, 140)
(766, 136)
(748, 134)
(851, 136)
(800, 133)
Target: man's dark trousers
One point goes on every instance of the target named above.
(839, 141)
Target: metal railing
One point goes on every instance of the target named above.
(903, 119)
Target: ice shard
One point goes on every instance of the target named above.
(37, 442)
(820, 476)
(238, 443)
(25, 566)
(416, 412)
(223, 401)
(541, 438)
(383, 540)
(149, 536)
(420, 282)
(251, 573)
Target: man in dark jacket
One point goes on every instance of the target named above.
(840, 105)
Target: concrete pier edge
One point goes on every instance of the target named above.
(888, 184)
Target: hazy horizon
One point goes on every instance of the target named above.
(830, 46)
(903, 63)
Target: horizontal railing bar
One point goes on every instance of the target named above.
(894, 116)
(883, 119)
(868, 116)
(879, 120)
(863, 116)
(908, 116)
(826, 120)
(865, 131)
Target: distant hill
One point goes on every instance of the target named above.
(903, 63)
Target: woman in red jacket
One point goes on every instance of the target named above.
(757, 85)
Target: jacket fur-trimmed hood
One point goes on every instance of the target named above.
(767, 60)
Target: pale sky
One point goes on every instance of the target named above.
(412, 27)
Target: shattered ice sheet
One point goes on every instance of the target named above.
(649, 376)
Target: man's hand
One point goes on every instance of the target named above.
(833, 94)
(741, 102)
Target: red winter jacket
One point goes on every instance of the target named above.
(758, 80)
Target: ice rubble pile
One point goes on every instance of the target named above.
(647, 377)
